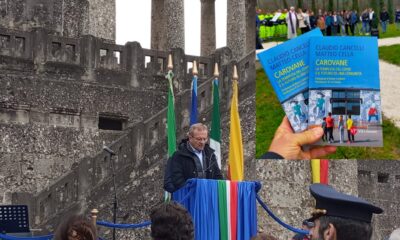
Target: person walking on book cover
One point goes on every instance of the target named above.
(373, 113)
(320, 108)
(329, 125)
(298, 113)
(350, 136)
(341, 128)
(323, 125)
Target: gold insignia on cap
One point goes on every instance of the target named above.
(318, 212)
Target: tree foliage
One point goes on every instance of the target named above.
(300, 4)
(330, 5)
(374, 5)
(314, 6)
(390, 11)
(355, 6)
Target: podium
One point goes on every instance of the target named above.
(14, 219)
(220, 209)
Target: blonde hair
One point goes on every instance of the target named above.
(197, 127)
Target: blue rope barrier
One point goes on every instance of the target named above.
(123, 226)
(8, 237)
(270, 213)
(138, 225)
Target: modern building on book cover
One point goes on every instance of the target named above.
(344, 90)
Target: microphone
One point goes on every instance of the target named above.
(107, 149)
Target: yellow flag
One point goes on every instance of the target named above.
(235, 167)
(315, 169)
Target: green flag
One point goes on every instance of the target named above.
(171, 133)
(215, 136)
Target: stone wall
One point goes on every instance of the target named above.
(102, 19)
(142, 109)
(57, 90)
(379, 183)
(33, 155)
(68, 18)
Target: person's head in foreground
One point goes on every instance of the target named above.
(171, 221)
(76, 228)
(338, 216)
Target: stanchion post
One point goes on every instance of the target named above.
(94, 213)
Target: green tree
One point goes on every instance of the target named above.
(374, 5)
(330, 5)
(314, 7)
(285, 4)
(355, 6)
(300, 4)
(380, 7)
(391, 10)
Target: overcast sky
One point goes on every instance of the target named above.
(134, 21)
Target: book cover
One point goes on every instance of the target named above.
(287, 67)
(344, 95)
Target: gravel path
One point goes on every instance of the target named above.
(390, 87)
(389, 76)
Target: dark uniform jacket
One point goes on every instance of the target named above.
(184, 165)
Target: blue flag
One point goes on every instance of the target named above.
(193, 111)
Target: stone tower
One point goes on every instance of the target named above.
(167, 24)
(68, 18)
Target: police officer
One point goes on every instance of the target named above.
(339, 216)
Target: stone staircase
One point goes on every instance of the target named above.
(141, 154)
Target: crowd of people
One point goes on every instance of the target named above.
(285, 22)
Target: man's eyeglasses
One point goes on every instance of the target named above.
(200, 139)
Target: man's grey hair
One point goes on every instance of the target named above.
(197, 127)
(395, 234)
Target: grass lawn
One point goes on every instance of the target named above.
(391, 32)
(390, 54)
(269, 114)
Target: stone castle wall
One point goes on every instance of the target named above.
(379, 183)
(57, 89)
(68, 18)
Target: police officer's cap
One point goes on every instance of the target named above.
(330, 202)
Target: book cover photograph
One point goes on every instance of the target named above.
(344, 91)
(287, 67)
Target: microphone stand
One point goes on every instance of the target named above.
(111, 154)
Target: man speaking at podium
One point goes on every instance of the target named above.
(193, 159)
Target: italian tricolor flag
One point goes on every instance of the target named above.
(220, 209)
(319, 168)
(227, 203)
(232, 211)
